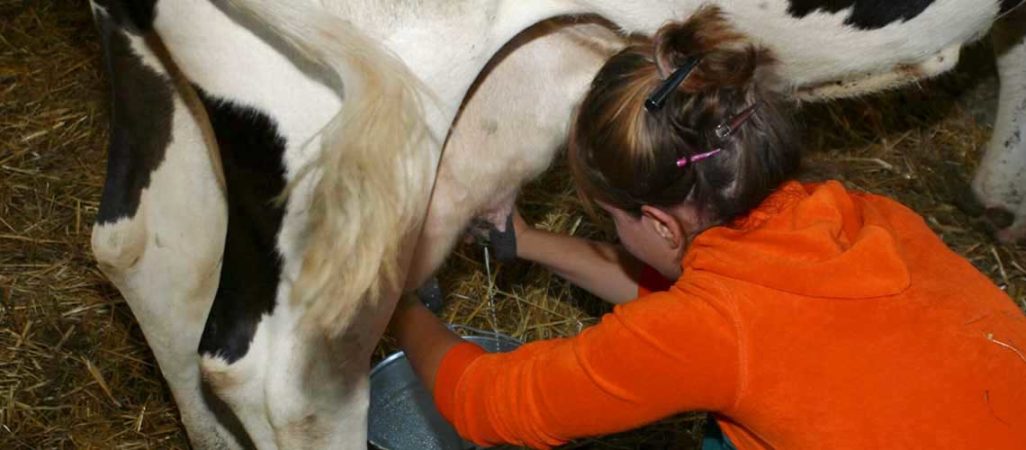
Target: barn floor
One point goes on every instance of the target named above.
(76, 373)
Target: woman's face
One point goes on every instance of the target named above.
(651, 239)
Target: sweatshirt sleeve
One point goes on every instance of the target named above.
(659, 355)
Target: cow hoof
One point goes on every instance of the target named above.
(1002, 224)
(1011, 235)
(967, 202)
(1000, 218)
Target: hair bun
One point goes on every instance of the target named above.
(728, 58)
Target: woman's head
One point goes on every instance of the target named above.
(626, 157)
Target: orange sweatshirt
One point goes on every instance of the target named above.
(824, 319)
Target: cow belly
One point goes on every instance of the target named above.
(821, 47)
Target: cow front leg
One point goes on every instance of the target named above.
(159, 233)
(1000, 180)
(237, 382)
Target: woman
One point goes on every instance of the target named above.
(802, 316)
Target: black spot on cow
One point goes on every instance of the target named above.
(251, 152)
(865, 14)
(140, 124)
(134, 15)
(1014, 140)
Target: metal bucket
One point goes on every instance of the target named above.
(402, 411)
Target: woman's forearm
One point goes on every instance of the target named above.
(605, 270)
(424, 339)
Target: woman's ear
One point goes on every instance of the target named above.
(665, 225)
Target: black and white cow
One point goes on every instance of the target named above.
(222, 106)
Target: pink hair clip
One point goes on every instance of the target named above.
(696, 158)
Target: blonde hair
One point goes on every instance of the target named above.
(374, 171)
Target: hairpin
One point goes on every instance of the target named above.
(728, 127)
(695, 158)
(723, 131)
(658, 98)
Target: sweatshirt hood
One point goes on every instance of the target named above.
(814, 240)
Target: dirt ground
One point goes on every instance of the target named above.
(75, 371)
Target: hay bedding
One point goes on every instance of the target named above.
(75, 370)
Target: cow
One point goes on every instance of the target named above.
(271, 163)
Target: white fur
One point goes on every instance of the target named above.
(241, 386)
(876, 82)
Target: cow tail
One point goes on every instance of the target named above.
(374, 172)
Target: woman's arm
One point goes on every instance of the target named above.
(645, 361)
(649, 359)
(423, 337)
(605, 270)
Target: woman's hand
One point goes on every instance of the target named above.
(520, 225)
(603, 269)
(521, 229)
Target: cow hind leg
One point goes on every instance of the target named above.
(159, 233)
(236, 343)
(317, 386)
(1000, 180)
(236, 382)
